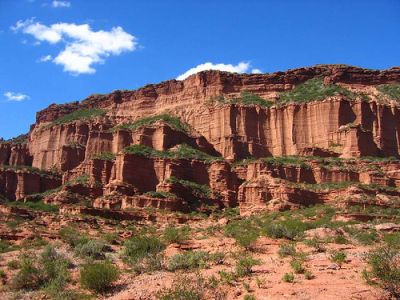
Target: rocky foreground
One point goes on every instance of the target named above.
(221, 186)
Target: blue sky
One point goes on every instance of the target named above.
(61, 51)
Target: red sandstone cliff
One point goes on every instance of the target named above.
(334, 126)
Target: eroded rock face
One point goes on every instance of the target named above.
(89, 152)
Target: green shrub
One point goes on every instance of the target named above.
(227, 277)
(392, 239)
(109, 156)
(313, 90)
(5, 247)
(72, 236)
(366, 238)
(38, 206)
(28, 277)
(247, 98)
(81, 114)
(98, 277)
(172, 121)
(48, 271)
(287, 249)
(338, 257)
(188, 260)
(384, 269)
(184, 288)
(289, 229)
(182, 151)
(288, 277)
(244, 232)
(198, 190)
(244, 266)
(139, 247)
(308, 275)
(92, 249)
(297, 266)
(316, 244)
(173, 234)
(160, 194)
(249, 297)
(13, 264)
(391, 90)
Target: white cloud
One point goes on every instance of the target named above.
(45, 58)
(241, 67)
(256, 71)
(57, 3)
(11, 96)
(83, 46)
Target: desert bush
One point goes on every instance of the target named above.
(244, 232)
(28, 277)
(188, 260)
(244, 266)
(288, 277)
(72, 237)
(92, 249)
(173, 234)
(13, 264)
(338, 257)
(249, 297)
(308, 275)
(384, 269)
(48, 271)
(98, 277)
(139, 247)
(287, 249)
(160, 194)
(297, 266)
(290, 228)
(198, 190)
(184, 287)
(316, 244)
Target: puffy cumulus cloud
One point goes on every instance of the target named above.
(241, 67)
(58, 4)
(17, 97)
(83, 46)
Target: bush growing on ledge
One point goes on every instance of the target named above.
(198, 190)
(245, 98)
(172, 121)
(313, 90)
(160, 194)
(391, 90)
(181, 152)
(38, 206)
(104, 156)
(81, 114)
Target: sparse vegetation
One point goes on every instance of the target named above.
(160, 194)
(180, 152)
(38, 206)
(287, 249)
(198, 190)
(184, 287)
(244, 266)
(81, 114)
(245, 98)
(98, 277)
(391, 90)
(244, 232)
(313, 90)
(288, 277)
(188, 260)
(173, 234)
(384, 269)
(172, 121)
(109, 156)
(140, 247)
(338, 257)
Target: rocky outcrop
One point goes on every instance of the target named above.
(89, 151)
(17, 184)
